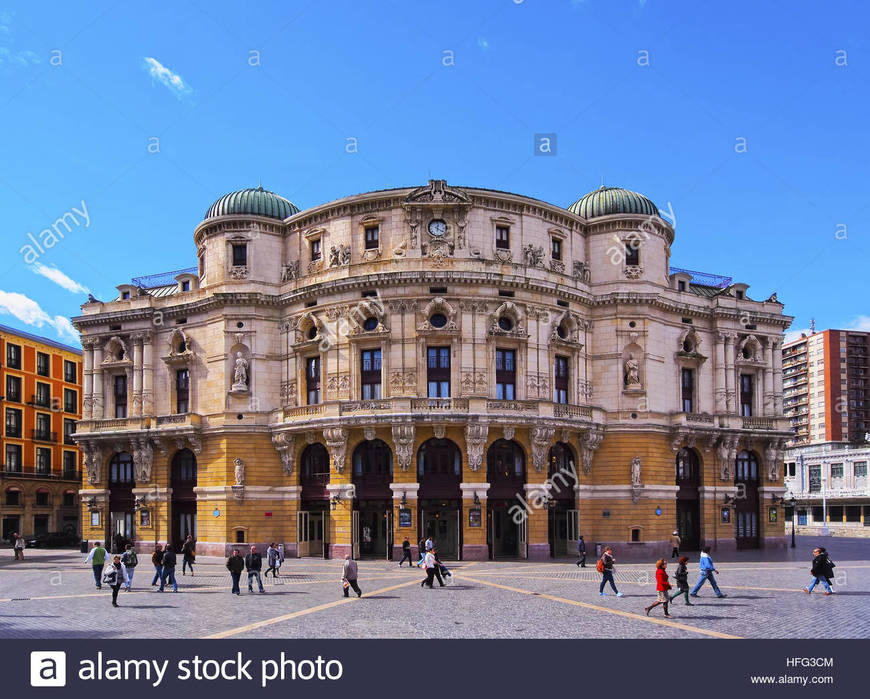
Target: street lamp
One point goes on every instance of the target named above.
(791, 502)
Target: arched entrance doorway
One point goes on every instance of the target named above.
(372, 524)
(688, 481)
(746, 501)
(312, 520)
(507, 518)
(183, 481)
(120, 523)
(439, 470)
(563, 522)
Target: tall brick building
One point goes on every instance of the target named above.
(41, 401)
(493, 370)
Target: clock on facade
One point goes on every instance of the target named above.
(437, 227)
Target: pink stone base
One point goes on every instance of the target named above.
(539, 552)
(475, 552)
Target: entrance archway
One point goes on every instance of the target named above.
(120, 528)
(183, 479)
(312, 520)
(439, 471)
(507, 519)
(372, 523)
(688, 480)
(563, 521)
(746, 501)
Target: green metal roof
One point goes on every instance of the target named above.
(258, 202)
(613, 200)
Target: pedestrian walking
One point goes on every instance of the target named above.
(188, 555)
(272, 556)
(430, 544)
(662, 587)
(115, 576)
(254, 564)
(349, 574)
(169, 560)
(406, 553)
(675, 544)
(581, 552)
(682, 577)
(157, 562)
(441, 571)
(605, 567)
(707, 568)
(822, 571)
(17, 546)
(97, 559)
(130, 561)
(119, 543)
(429, 564)
(236, 564)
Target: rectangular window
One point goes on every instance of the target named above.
(438, 372)
(43, 362)
(370, 374)
(13, 389)
(70, 401)
(69, 464)
(372, 234)
(120, 393)
(312, 380)
(632, 252)
(13, 458)
(43, 461)
(69, 429)
(860, 472)
(505, 374)
(43, 395)
(315, 250)
(13, 423)
(201, 258)
(502, 237)
(13, 497)
(70, 375)
(43, 427)
(556, 249)
(681, 285)
(746, 394)
(13, 356)
(687, 389)
(836, 475)
(182, 391)
(560, 379)
(240, 255)
(815, 478)
(69, 499)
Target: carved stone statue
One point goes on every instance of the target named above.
(632, 373)
(534, 256)
(635, 471)
(582, 271)
(239, 471)
(240, 373)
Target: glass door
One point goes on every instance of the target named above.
(302, 541)
(355, 534)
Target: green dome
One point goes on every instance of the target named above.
(613, 200)
(257, 202)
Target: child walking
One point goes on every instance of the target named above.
(662, 587)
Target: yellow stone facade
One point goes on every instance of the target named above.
(497, 372)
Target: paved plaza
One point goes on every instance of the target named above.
(51, 594)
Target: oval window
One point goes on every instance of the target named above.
(505, 324)
(370, 323)
(312, 332)
(561, 332)
(438, 320)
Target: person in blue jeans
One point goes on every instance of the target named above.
(705, 564)
(607, 572)
(169, 560)
(157, 561)
(822, 571)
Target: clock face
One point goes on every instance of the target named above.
(437, 227)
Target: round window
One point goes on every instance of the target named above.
(370, 323)
(312, 332)
(561, 332)
(747, 353)
(687, 346)
(438, 320)
(505, 323)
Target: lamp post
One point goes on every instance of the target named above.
(792, 503)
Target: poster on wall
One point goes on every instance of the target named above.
(771, 514)
(726, 515)
(474, 518)
(405, 517)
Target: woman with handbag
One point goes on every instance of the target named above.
(115, 576)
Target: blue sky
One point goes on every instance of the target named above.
(654, 96)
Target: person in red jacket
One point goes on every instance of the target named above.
(662, 587)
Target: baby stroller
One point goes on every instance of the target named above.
(446, 575)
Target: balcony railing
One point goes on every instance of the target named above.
(43, 436)
(439, 404)
(356, 406)
(69, 439)
(514, 406)
(758, 423)
(575, 411)
(31, 472)
(40, 401)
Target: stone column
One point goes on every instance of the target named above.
(147, 375)
(767, 405)
(730, 406)
(777, 377)
(719, 376)
(99, 399)
(136, 357)
(88, 380)
(474, 546)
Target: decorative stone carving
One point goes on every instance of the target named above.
(557, 266)
(403, 439)
(93, 457)
(143, 459)
(510, 310)
(473, 382)
(475, 439)
(632, 272)
(438, 305)
(541, 437)
(371, 254)
(339, 256)
(589, 443)
(369, 433)
(240, 374)
(238, 272)
(636, 484)
(401, 249)
(771, 458)
(291, 271)
(503, 255)
(336, 442)
(239, 471)
(288, 394)
(438, 251)
(727, 453)
(509, 432)
(538, 386)
(310, 437)
(115, 351)
(631, 371)
(582, 272)
(533, 255)
(315, 266)
(285, 445)
(439, 431)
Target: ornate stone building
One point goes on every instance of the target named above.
(495, 371)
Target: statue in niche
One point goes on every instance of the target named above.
(635, 471)
(239, 471)
(240, 373)
(632, 372)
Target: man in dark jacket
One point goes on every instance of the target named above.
(254, 564)
(822, 571)
(236, 564)
(581, 552)
(157, 562)
(406, 553)
(168, 569)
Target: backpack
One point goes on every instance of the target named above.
(111, 576)
(600, 565)
(132, 560)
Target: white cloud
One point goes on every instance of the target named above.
(860, 323)
(30, 313)
(5, 21)
(792, 335)
(171, 80)
(59, 278)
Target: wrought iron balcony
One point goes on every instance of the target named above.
(43, 436)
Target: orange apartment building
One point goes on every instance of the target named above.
(41, 399)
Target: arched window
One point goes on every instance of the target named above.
(315, 463)
(747, 467)
(373, 459)
(687, 467)
(184, 467)
(439, 457)
(561, 460)
(121, 469)
(505, 460)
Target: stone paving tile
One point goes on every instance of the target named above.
(56, 598)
